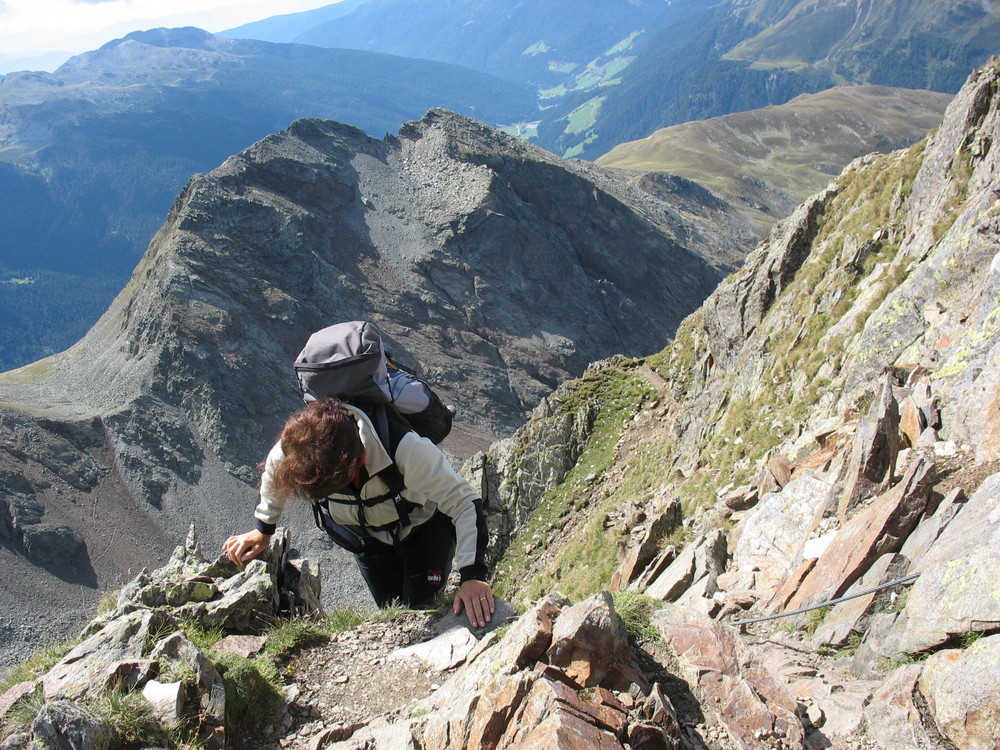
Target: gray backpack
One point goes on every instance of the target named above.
(347, 361)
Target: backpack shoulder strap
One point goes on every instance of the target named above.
(390, 428)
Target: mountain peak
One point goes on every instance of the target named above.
(187, 36)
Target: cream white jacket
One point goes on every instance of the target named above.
(431, 484)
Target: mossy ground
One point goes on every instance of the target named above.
(587, 555)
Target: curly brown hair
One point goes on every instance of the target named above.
(322, 450)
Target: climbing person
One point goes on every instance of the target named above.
(395, 502)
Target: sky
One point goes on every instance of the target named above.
(32, 28)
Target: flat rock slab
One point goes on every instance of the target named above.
(442, 653)
(879, 528)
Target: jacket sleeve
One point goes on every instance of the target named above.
(430, 479)
(271, 506)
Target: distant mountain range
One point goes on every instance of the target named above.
(541, 42)
(741, 54)
(615, 71)
(92, 156)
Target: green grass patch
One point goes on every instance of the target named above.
(291, 635)
(584, 117)
(969, 637)
(815, 618)
(21, 715)
(129, 715)
(253, 690)
(636, 611)
(645, 470)
(201, 636)
(588, 558)
(38, 664)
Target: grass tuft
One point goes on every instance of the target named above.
(636, 611)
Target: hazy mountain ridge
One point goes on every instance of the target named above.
(537, 43)
(770, 160)
(93, 154)
(739, 55)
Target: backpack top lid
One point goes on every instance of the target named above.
(345, 360)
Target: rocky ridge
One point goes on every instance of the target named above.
(823, 426)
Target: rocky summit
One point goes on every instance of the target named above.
(493, 267)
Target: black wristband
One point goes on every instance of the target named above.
(474, 572)
(266, 528)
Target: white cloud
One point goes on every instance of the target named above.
(33, 27)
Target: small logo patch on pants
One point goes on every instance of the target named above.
(434, 577)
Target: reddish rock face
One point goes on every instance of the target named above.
(880, 528)
(588, 639)
(746, 698)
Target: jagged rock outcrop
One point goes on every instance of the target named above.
(561, 676)
(140, 647)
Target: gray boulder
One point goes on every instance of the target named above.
(962, 689)
(64, 725)
(959, 574)
(49, 544)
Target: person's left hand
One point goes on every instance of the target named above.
(476, 598)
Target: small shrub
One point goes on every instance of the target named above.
(107, 603)
(157, 633)
(393, 611)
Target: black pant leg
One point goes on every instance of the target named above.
(415, 573)
(429, 551)
(382, 571)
